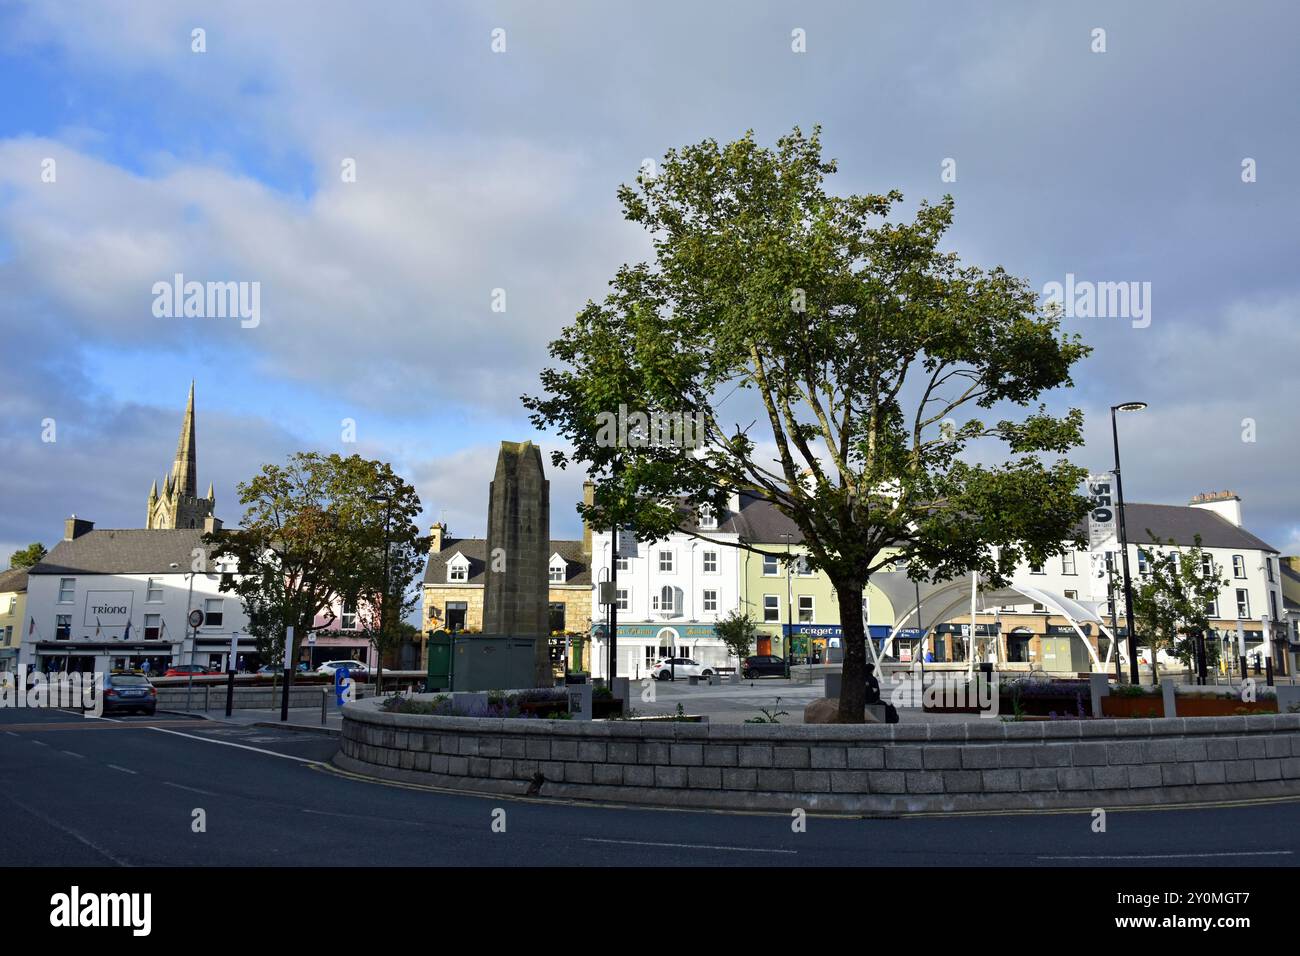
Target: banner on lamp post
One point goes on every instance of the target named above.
(1101, 516)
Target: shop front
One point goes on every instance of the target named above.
(640, 646)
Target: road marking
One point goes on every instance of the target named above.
(1174, 856)
(71, 754)
(11, 733)
(227, 743)
(181, 786)
(123, 769)
(68, 830)
(691, 846)
(40, 743)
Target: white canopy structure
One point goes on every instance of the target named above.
(916, 603)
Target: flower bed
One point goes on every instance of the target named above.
(1046, 698)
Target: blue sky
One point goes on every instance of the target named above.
(479, 170)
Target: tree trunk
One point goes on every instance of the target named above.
(853, 682)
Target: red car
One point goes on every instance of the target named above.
(184, 670)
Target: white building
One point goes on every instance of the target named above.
(113, 599)
(670, 594)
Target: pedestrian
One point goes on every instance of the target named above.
(241, 663)
(145, 667)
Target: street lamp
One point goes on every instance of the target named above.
(387, 502)
(789, 618)
(1123, 543)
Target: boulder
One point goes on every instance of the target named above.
(825, 710)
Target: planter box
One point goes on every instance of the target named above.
(1144, 706)
(1192, 706)
(1061, 705)
(604, 708)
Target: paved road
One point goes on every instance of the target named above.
(78, 792)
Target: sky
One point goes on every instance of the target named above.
(481, 169)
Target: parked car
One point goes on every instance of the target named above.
(184, 670)
(355, 668)
(761, 665)
(671, 667)
(127, 692)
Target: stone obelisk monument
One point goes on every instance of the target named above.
(515, 599)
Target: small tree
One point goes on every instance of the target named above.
(28, 556)
(1171, 607)
(738, 632)
(312, 537)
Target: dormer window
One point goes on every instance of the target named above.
(559, 570)
(457, 570)
(708, 518)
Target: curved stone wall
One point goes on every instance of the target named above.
(878, 769)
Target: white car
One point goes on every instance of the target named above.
(354, 667)
(671, 667)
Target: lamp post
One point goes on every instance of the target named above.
(1123, 544)
(789, 611)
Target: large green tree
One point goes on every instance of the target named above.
(313, 539)
(28, 556)
(877, 359)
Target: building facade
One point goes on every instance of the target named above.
(107, 600)
(13, 607)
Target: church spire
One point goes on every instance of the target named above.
(185, 469)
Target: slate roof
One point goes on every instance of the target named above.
(128, 551)
(1183, 523)
(14, 579)
(475, 551)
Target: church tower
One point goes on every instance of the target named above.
(179, 504)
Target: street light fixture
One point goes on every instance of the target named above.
(1123, 543)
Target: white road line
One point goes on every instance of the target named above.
(123, 769)
(71, 754)
(227, 743)
(11, 733)
(39, 743)
(181, 786)
(691, 846)
(68, 830)
(1174, 856)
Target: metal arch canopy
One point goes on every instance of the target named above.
(949, 596)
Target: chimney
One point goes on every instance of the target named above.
(588, 497)
(1226, 504)
(211, 524)
(75, 527)
(435, 538)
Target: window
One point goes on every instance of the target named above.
(212, 615)
(558, 573)
(651, 655)
(62, 627)
(665, 562)
(153, 591)
(1038, 608)
(771, 608)
(1207, 565)
(152, 627)
(458, 572)
(1238, 566)
(348, 619)
(801, 565)
(67, 590)
(13, 604)
(556, 615)
(1067, 563)
(1071, 595)
(1036, 568)
(9, 635)
(1110, 562)
(805, 609)
(622, 599)
(708, 520)
(711, 600)
(663, 601)
(1272, 603)
(1243, 602)
(622, 562)
(456, 613)
(769, 564)
(1144, 564)
(710, 562)
(1212, 608)
(1268, 567)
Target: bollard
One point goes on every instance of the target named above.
(324, 697)
(207, 688)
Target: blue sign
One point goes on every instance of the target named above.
(342, 686)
